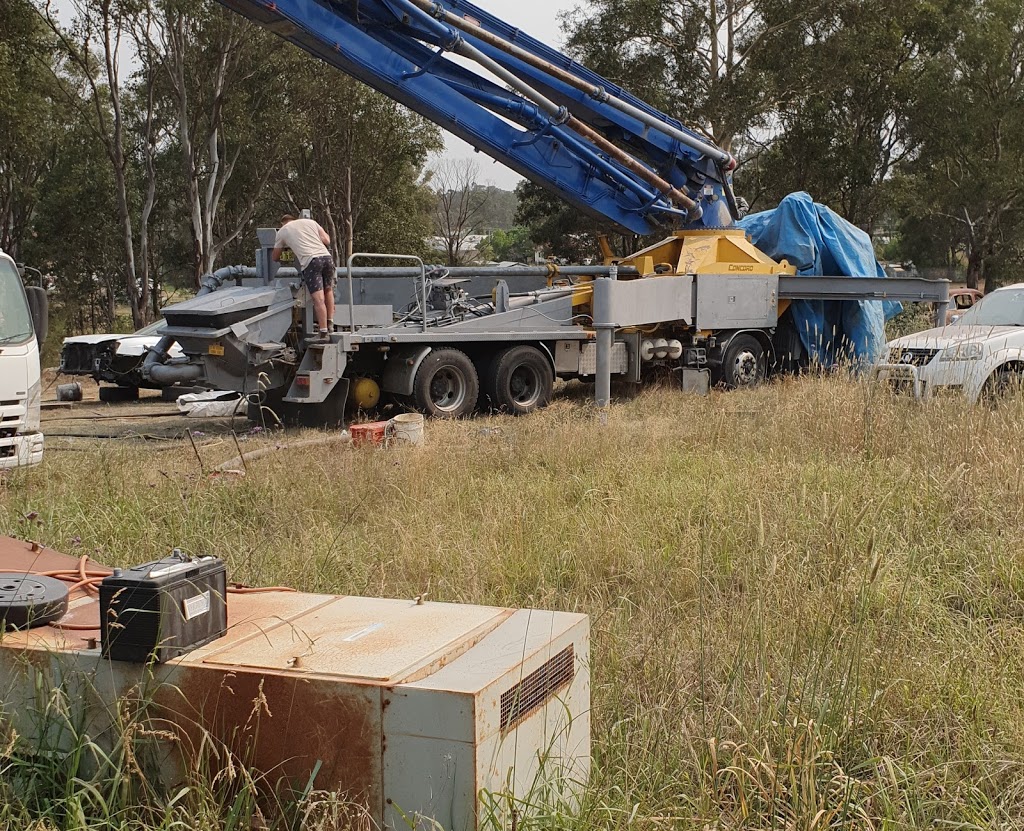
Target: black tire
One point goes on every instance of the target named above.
(114, 395)
(1002, 386)
(446, 384)
(744, 364)
(519, 380)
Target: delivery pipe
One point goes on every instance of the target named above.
(558, 114)
(153, 367)
(599, 93)
(552, 271)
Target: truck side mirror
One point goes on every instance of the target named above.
(39, 306)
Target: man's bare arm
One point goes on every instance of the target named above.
(275, 255)
(324, 238)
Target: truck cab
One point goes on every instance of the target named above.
(22, 326)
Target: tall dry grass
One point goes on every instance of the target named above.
(807, 600)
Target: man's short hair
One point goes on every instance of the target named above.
(286, 218)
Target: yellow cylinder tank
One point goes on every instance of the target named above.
(364, 393)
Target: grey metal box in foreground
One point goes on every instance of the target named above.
(425, 714)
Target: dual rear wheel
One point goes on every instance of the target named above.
(516, 380)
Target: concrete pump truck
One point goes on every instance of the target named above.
(704, 301)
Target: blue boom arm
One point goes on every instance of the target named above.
(554, 122)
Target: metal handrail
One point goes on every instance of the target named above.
(351, 291)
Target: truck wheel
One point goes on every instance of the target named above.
(518, 380)
(446, 384)
(744, 364)
(113, 395)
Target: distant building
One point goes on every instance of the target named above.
(469, 249)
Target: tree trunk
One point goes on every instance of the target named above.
(349, 225)
(975, 267)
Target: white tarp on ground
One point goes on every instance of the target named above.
(210, 404)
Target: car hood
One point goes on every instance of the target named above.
(957, 333)
(92, 339)
(128, 345)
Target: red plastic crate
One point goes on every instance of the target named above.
(372, 432)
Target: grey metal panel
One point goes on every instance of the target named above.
(365, 315)
(233, 299)
(632, 343)
(647, 300)
(911, 289)
(729, 301)
(567, 356)
(324, 367)
(619, 359)
(696, 380)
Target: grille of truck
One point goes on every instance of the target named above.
(912, 356)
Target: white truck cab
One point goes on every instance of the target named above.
(22, 326)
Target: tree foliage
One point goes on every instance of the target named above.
(967, 122)
(513, 245)
(357, 162)
(142, 142)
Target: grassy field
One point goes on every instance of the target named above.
(807, 600)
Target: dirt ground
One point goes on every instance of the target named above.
(148, 419)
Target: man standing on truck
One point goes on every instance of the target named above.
(308, 241)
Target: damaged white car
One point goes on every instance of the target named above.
(980, 355)
(114, 359)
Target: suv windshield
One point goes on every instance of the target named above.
(15, 319)
(1001, 308)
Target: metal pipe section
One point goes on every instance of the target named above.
(910, 289)
(599, 93)
(561, 115)
(694, 210)
(153, 366)
(526, 113)
(177, 374)
(351, 293)
(605, 340)
(487, 271)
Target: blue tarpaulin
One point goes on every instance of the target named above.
(817, 241)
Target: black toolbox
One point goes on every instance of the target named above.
(162, 609)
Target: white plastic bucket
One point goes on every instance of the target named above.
(408, 427)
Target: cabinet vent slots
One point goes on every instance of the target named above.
(535, 689)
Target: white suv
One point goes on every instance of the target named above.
(980, 354)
